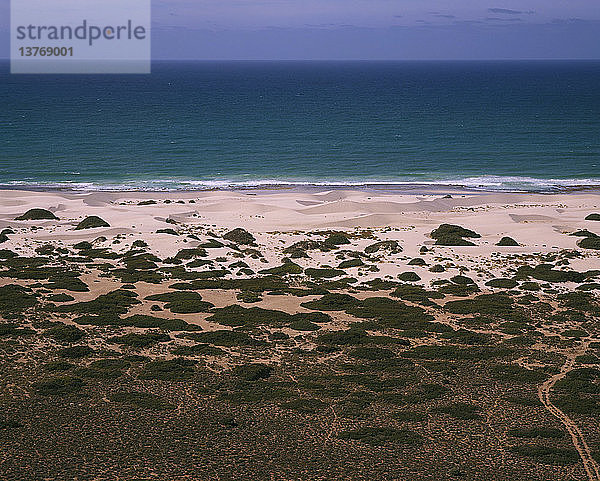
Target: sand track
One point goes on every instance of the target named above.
(589, 463)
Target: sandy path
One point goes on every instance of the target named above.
(589, 463)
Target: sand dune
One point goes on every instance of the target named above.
(534, 220)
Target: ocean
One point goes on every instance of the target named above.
(531, 126)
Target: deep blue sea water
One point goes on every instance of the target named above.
(504, 125)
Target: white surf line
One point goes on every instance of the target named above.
(589, 463)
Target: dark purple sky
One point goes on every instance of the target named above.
(369, 29)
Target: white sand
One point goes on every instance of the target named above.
(280, 217)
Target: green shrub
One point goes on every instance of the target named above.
(371, 353)
(304, 325)
(515, 328)
(212, 244)
(409, 276)
(61, 298)
(582, 380)
(240, 236)
(537, 432)
(544, 272)
(578, 404)
(325, 273)
(227, 338)
(502, 283)
(113, 303)
(460, 410)
(464, 336)
(579, 301)
(343, 338)
(317, 317)
(64, 333)
(453, 352)
(351, 263)
(462, 280)
(483, 304)
(67, 280)
(378, 436)
(138, 320)
(415, 294)
(260, 393)
(143, 321)
(409, 416)
(103, 369)
(253, 372)
(587, 359)
(574, 333)
(583, 233)
(298, 249)
(15, 298)
(257, 284)
(461, 290)
(140, 340)
(58, 366)
(249, 316)
(13, 330)
(512, 373)
(187, 254)
(178, 369)
(278, 336)
(110, 364)
(167, 231)
(248, 297)
(331, 302)
(285, 268)
(37, 214)
(198, 349)
(336, 239)
(450, 229)
(593, 217)
(75, 352)
(92, 222)
(507, 242)
(530, 286)
(453, 235)
(182, 302)
(137, 259)
(392, 246)
(390, 313)
(425, 392)
(88, 372)
(129, 276)
(7, 254)
(59, 385)
(547, 454)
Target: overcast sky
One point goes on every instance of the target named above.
(369, 29)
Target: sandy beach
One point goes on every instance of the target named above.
(540, 223)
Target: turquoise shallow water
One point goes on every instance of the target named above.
(496, 125)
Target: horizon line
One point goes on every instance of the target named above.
(483, 59)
